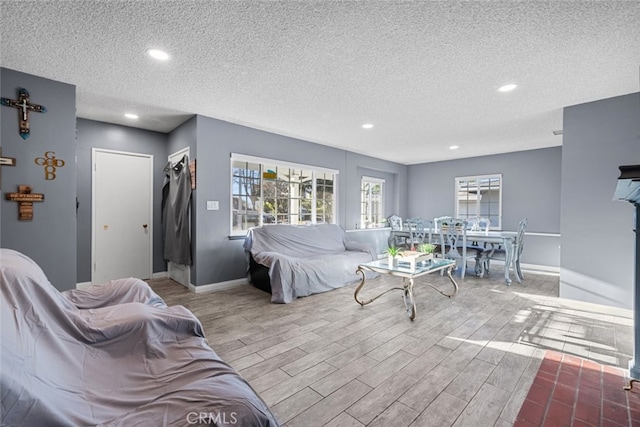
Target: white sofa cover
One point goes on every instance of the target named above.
(306, 259)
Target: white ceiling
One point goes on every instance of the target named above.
(425, 73)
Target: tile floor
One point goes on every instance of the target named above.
(571, 391)
(470, 360)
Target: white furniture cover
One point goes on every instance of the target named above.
(111, 355)
(306, 259)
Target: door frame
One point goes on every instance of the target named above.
(94, 152)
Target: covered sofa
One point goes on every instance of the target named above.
(292, 261)
(111, 355)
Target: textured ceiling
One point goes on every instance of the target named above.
(424, 73)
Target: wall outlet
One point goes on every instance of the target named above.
(213, 205)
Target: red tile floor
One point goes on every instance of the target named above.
(570, 391)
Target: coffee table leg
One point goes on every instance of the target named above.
(453, 282)
(355, 295)
(409, 302)
(361, 271)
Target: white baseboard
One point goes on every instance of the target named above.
(531, 268)
(541, 269)
(212, 287)
(159, 275)
(220, 286)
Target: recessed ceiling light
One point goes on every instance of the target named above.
(158, 54)
(507, 88)
(453, 147)
(367, 126)
(131, 116)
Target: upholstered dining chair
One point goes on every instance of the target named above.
(497, 252)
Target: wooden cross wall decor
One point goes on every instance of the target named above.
(22, 104)
(25, 199)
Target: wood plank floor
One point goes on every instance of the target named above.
(465, 361)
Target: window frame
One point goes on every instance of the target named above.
(363, 215)
(262, 164)
(478, 204)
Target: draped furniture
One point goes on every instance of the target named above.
(113, 354)
(292, 261)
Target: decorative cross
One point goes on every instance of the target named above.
(5, 161)
(22, 104)
(25, 199)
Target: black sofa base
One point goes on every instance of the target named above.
(259, 275)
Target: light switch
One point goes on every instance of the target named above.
(213, 205)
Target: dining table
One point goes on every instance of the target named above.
(506, 239)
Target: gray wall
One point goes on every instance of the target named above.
(50, 239)
(216, 258)
(597, 233)
(598, 137)
(531, 189)
(93, 134)
(395, 176)
(220, 259)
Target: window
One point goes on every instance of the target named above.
(270, 192)
(480, 196)
(372, 202)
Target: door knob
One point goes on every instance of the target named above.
(144, 226)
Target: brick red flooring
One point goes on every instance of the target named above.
(569, 391)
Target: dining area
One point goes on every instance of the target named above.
(463, 240)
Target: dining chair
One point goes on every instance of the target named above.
(453, 241)
(478, 223)
(414, 223)
(497, 252)
(395, 222)
(419, 230)
(436, 231)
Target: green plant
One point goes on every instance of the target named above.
(393, 251)
(426, 248)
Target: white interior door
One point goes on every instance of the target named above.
(122, 215)
(178, 272)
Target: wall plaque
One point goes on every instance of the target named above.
(25, 199)
(50, 164)
(5, 161)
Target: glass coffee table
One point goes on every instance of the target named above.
(408, 273)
